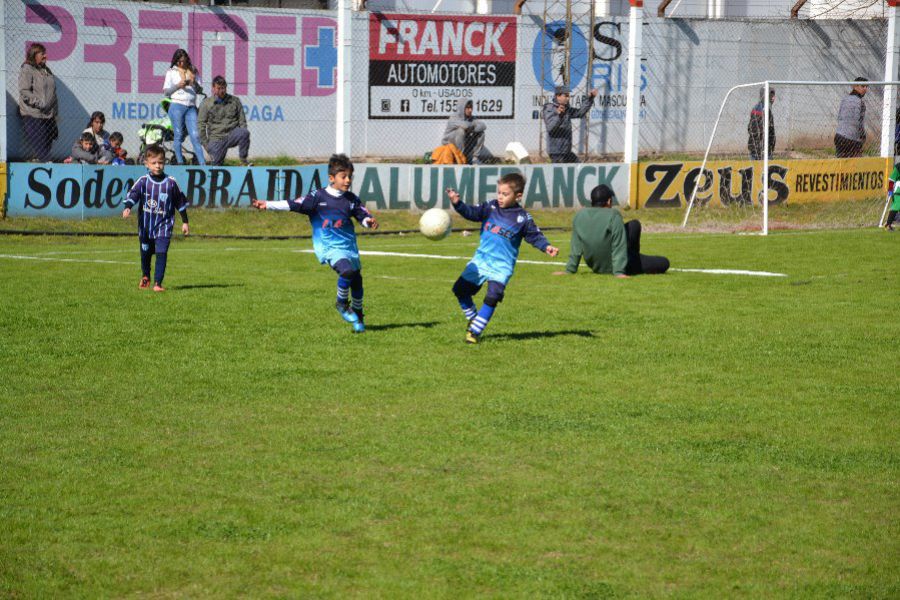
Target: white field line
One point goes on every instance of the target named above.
(556, 263)
(66, 260)
(399, 255)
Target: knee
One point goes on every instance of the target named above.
(494, 296)
(349, 274)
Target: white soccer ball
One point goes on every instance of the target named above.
(435, 223)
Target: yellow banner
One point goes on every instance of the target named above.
(670, 184)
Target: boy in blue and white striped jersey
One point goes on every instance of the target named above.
(157, 197)
(331, 211)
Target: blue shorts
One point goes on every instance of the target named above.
(473, 274)
(331, 261)
(158, 245)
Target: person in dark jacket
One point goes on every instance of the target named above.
(466, 133)
(223, 124)
(756, 139)
(558, 117)
(851, 131)
(37, 104)
(607, 244)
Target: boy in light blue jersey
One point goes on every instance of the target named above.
(504, 223)
(331, 211)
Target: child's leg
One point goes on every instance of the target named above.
(356, 294)
(892, 214)
(493, 297)
(162, 253)
(464, 290)
(147, 249)
(346, 273)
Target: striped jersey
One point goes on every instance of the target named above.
(157, 199)
(502, 232)
(331, 213)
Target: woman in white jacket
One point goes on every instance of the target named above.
(182, 86)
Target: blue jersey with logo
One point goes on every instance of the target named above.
(331, 215)
(502, 231)
(157, 199)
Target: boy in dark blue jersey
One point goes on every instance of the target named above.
(331, 211)
(157, 197)
(504, 223)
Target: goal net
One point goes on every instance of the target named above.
(796, 155)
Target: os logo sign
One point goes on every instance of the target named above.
(548, 56)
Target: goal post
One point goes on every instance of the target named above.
(795, 154)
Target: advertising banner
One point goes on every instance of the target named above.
(670, 184)
(424, 66)
(84, 191)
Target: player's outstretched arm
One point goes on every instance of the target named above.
(258, 204)
(551, 250)
(453, 195)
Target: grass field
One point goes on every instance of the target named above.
(686, 435)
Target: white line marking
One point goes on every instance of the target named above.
(547, 262)
(75, 260)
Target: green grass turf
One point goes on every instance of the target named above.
(686, 435)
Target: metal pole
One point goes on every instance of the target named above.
(889, 100)
(765, 180)
(344, 65)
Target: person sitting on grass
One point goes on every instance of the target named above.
(331, 211)
(157, 197)
(504, 224)
(607, 244)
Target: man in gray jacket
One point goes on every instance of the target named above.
(851, 131)
(558, 117)
(223, 125)
(466, 133)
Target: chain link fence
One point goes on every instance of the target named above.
(413, 71)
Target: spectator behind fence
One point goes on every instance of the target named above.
(851, 131)
(466, 133)
(606, 243)
(120, 155)
(223, 124)
(37, 104)
(756, 141)
(100, 135)
(87, 152)
(558, 121)
(182, 86)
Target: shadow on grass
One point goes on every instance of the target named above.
(400, 325)
(530, 335)
(206, 286)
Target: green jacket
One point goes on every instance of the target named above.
(895, 176)
(217, 119)
(598, 234)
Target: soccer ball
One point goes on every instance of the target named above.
(435, 224)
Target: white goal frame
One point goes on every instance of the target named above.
(887, 136)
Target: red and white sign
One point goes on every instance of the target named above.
(423, 66)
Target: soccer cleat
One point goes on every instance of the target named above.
(472, 338)
(144, 284)
(359, 327)
(158, 288)
(889, 227)
(348, 315)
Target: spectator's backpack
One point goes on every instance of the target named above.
(448, 154)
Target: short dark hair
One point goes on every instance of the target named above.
(861, 79)
(154, 150)
(338, 163)
(219, 80)
(115, 136)
(516, 182)
(87, 136)
(602, 195)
